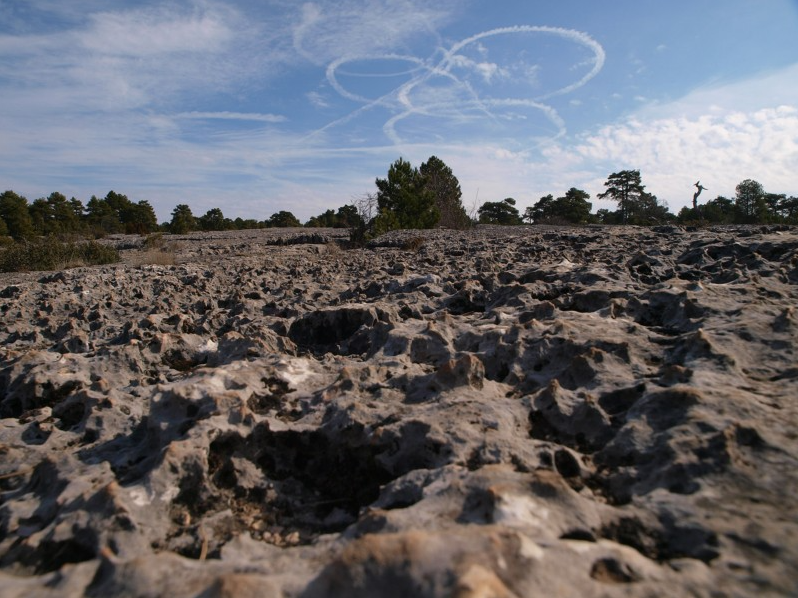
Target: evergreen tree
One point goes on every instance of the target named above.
(440, 181)
(76, 206)
(102, 217)
(541, 211)
(41, 217)
(347, 217)
(183, 220)
(499, 212)
(788, 209)
(55, 215)
(719, 210)
(750, 201)
(403, 200)
(118, 202)
(625, 188)
(250, 223)
(15, 214)
(773, 203)
(574, 206)
(63, 211)
(324, 220)
(605, 216)
(283, 219)
(139, 218)
(647, 210)
(213, 219)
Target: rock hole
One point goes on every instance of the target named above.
(344, 331)
(180, 361)
(610, 570)
(70, 416)
(620, 401)
(583, 535)
(566, 464)
(90, 436)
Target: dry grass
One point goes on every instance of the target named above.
(157, 257)
(332, 250)
(414, 244)
(158, 251)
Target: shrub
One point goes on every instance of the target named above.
(94, 253)
(154, 241)
(51, 254)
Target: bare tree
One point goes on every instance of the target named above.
(367, 209)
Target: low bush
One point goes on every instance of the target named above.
(154, 241)
(51, 254)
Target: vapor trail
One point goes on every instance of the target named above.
(407, 99)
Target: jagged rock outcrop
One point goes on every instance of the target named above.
(498, 412)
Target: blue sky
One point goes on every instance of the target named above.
(260, 106)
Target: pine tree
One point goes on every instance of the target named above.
(183, 220)
(403, 200)
(626, 189)
(14, 212)
(440, 181)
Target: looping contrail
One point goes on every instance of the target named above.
(403, 104)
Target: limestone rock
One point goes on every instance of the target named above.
(504, 411)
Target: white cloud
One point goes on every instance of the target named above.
(135, 58)
(725, 148)
(486, 70)
(766, 90)
(326, 32)
(721, 134)
(317, 99)
(147, 32)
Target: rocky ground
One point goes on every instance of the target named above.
(501, 412)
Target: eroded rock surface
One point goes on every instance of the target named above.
(499, 412)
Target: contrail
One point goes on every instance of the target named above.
(402, 102)
(571, 34)
(336, 64)
(225, 115)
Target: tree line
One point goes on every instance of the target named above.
(408, 197)
(430, 196)
(55, 215)
(751, 205)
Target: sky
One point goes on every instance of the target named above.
(258, 106)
